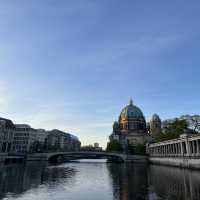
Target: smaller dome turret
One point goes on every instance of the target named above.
(115, 126)
(155, 125)
(155, 117)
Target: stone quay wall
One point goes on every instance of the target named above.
(181, 152)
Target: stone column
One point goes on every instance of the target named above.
(165, 150)
(168, 149)
(197, 146)
(188, 148)
(173, 150)
(181, 145)
(176, 149)
(179, 148)
(193, 147)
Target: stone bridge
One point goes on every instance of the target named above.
(61, 156)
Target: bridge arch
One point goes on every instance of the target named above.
(67, 156)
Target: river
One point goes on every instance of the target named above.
(97, 180)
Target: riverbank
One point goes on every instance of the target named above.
(182, 162)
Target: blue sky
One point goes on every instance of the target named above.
(73, 65)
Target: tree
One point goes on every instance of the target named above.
(138, 149)
(173, 130)
(114, 145)
(196, 124)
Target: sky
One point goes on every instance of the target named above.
(73, 65)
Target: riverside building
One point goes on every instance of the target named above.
(7, 130)
(22, 138)
(61, 141)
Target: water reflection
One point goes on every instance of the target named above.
(99, 181)
(129, 181)
(174, 183)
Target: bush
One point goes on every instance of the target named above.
(114, 145)
(138, 149)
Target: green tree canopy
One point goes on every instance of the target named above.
(173, 130)
(139, 149)
(114, 145)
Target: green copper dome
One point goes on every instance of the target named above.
(115, 125)
(155, 117)
(131, 111)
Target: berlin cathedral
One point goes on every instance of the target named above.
(132, 129)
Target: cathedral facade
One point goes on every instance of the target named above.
(131, 128)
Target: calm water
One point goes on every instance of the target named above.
(97, 180)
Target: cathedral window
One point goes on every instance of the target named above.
(132, 126)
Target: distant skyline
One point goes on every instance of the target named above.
(73, 65)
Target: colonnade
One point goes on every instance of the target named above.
(183, 146)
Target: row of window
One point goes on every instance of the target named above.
(20, 142)
(19, 147)
(21, 134)
(133, 126)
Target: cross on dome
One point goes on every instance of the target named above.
(131, 101)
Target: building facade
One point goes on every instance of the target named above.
(7, 131)
(41, 136)
(61, 141)
(24, 138)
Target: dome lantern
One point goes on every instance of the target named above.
(131, 101)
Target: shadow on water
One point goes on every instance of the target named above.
(16, 179)
(174, 183)
(154, 182)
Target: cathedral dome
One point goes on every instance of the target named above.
(131, 111)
